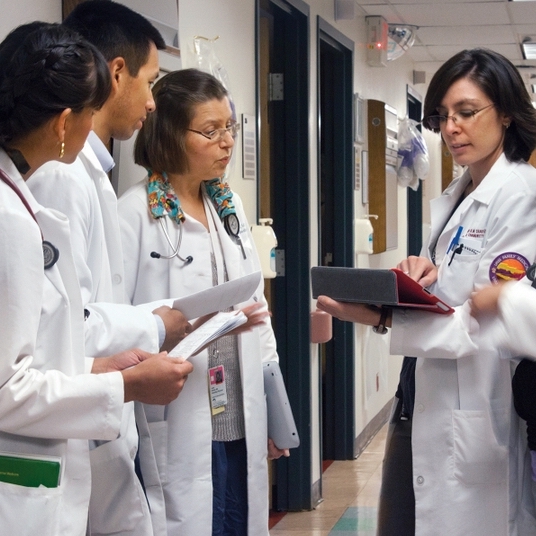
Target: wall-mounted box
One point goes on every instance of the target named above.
(382, 179)
(377, 40)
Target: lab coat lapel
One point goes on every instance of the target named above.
(231, 251)
(441, 210)
(108, 204)
(55, 228)
(47, 227)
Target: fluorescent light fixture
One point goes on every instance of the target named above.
(529, 48)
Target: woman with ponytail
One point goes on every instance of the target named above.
(51, 82)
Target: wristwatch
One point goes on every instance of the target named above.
(380, 328)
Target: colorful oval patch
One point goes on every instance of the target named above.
(507, 267)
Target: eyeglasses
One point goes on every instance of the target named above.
(461, 117)
(217, 134)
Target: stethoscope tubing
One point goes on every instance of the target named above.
(50, 252)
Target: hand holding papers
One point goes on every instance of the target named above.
(212, 329)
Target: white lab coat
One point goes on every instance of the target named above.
(468, 456)
(515, 324)
(84, 193)
(182, 434)
(48, 405)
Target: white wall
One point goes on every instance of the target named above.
(234, 22)
(22, 11)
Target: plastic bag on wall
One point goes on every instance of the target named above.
(413, 158)
(208, 61)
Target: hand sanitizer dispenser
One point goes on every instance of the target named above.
(364, 234)
(266, 242)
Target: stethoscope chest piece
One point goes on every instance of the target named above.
(51, 254)
(231, 224)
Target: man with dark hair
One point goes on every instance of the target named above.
(82, 191)
(116, 31)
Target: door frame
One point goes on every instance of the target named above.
(291, 223)
(414, 197)
(339, 404)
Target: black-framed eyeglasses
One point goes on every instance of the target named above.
(460, 117)
(217, 134)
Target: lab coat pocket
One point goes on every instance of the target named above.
(29, 511)
(458, 275)
(159, 440)
(117, 499)
(478, 458)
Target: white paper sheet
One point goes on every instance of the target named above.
(211, 330)
(218, 298)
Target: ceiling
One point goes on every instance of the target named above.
(448, 26)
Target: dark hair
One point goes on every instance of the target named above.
(501, 82)
(46, 68)
(117, 31)
(160, 145)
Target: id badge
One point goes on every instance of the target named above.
(217, 389)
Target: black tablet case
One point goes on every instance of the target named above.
(390, 288)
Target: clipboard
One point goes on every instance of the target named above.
(281, 426)
(389, 288)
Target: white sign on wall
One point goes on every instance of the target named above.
(249, 144)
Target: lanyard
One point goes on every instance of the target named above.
(50, 252)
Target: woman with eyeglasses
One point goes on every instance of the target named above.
(184, 231)
(455, 463)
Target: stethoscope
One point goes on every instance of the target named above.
(230, 223)
(156, 255)
(50, 252)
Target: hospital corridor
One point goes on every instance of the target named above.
(350, 489)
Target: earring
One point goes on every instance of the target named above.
(62, 149)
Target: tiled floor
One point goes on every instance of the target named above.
(350, 490)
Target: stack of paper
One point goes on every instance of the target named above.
(212, 329)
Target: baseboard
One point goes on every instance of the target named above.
(316, 495)
(371, 429)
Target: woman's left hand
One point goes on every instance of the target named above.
(420, 269)
(256, 315)
(351, 312)
(274, 453)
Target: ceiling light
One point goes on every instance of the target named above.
(400, 38)
(528, 46)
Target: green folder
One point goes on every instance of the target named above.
(30, 471)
